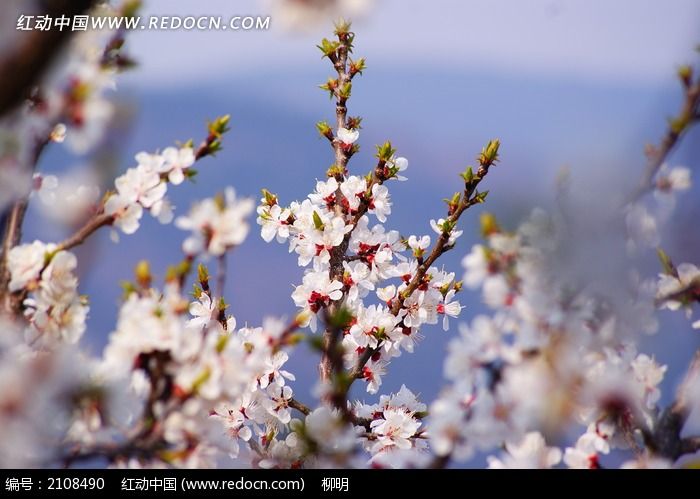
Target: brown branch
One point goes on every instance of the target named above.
(13, 229)
(97, 221)
(34, 52)
(340, 64)
(356, 371)
(299, 406)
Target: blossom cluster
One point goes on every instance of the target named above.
(225, 386)
(376, 264)
(45, 277)
(144, 187)
(554, 353)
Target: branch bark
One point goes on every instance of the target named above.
(340, 63)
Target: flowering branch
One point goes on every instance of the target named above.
(457, 206)
(208, 147)
(688, 115)
(340, 88)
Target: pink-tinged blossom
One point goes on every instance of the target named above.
(448, 308)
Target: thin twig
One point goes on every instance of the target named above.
(91, 226)
(302, 408)
(678, 126)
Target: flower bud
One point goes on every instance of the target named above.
(489, 154)
(489, 224)
(142, 272)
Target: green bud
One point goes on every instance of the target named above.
(342, 27)
(220, 201)
(222, 304)
(269, 198)
(142, 272)
(356, 67)
(328, 48)
(385, 151)
(318, 223)
(353, 123)
(213, 147)
(666, 263)
(453, 202)
(329, 86)
(480, 197)
(489, 224)
(489, 154)
(324, 129)
(335, 171)
(447, 226)
(467, 175)
(219, 126)
(685, 73)
(171, 274)
(203, 276)
(345, 91)
(678, 124)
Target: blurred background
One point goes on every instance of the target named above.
(580, 85)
